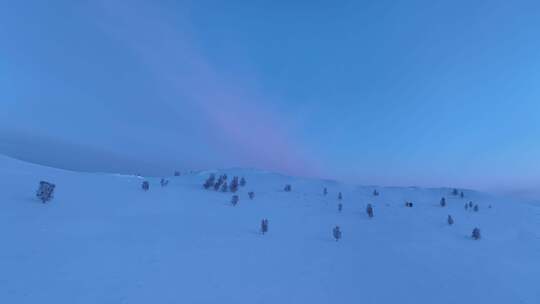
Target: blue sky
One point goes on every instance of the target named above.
(375, 92)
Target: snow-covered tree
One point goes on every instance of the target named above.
(45, 191)
(408, 204)
(336, 232)
(163, 182)
(339, 197)
(455, 192)
(218, 184)
(210, 181)
(443, 202)
(251, 194)
(340, 207)
(450, 220)
(224, 187)
(325, 191)
(462, 195)
(288, 188)
(476, 233)
(176, 173)
(145, 185)
(242, 182)
(264, 226)
(375, 192)
(475, 208)
(369, 210)
(234, 184)
(466, 206)
(235, 200)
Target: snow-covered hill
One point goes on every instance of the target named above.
(104, 240)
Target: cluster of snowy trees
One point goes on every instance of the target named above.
(472, 206)
(221, 183)
(476, 231)
(468, 206)
(455, 192)
(145, 185)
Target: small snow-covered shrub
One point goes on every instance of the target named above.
(476, 233)
(234, 184)
(336, 232)
(339, 197)
(163, 182)
(264, 226)
(234, 200)
(443, 202)
(145, 185)
(242, 182)
(450, 220)
(375, 192)
(288, 188)
(45, 191)
(475, 208)
(340, 207)
(176, 173)
(325, 191)
(218, 184)
(210, 181)
(224, 187)
(251, 194)
(369, 210)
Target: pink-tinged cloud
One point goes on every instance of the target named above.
(238, 122)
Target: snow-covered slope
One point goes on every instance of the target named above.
(104, 240)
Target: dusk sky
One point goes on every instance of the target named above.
(427, 93)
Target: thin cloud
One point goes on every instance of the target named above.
(233, 116)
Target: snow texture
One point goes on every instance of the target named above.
(102, 239)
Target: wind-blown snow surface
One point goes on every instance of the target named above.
(103, 240)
